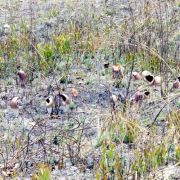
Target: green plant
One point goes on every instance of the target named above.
(177, 153)
(89, 64)
(103, 164)
(72, 106)
(52, 13)
(47, 52)
(64, 50)
(110, 164)
(149, 159)
(63, 44)
(44, 173)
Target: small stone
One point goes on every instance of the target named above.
(3, 105)
(55, 141)
(90, 162)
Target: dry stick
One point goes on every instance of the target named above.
(56, 151)
(4, 161)
(166, 168)
(41, 58)
(28, 140)
(79, 142)
(155, 119)
(16, 155)
(152, 51)
(72, 139)
(47, 64)
(32, 39)
(171, 142)
(133, 63)
(157, 116)
(36, 52)
(129, 82)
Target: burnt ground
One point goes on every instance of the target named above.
(70, 141)
(85, 118)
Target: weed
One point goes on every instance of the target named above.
(43, 172)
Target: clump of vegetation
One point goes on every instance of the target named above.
(44, 172)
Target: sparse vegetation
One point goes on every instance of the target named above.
(89, 89)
